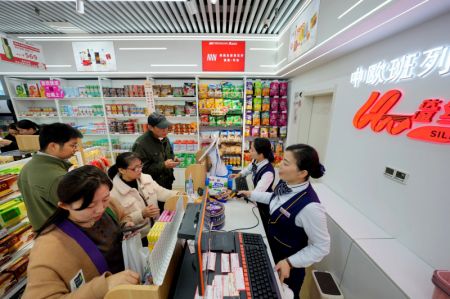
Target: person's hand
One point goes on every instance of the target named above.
(234, 175)
(245, 193)
(150, 211)
(124, 277)
(4, 142)
(283, 269)
(171, 163)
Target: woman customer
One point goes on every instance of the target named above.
(78, 252)
(27, 127)
(262, 171)
(137, 192)
(297, 230)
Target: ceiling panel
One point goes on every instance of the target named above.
(192, 16)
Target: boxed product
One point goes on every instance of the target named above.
(273, 121)
(257, 104)
(203, 91)
(256, 118)
(19, 267)
(166, 90)
(273, 132)
(189, 90)
(283, 89)
(283, 119)
(265, 89)
(265, 104)
(177, 91)
(283, 132)
(264, 132)
(257, 88)
(12, 212)
(249, 88)
(274, 104)
(249, 103)
(255, 131)
(283, 104)
(7, 281)
(247, 131)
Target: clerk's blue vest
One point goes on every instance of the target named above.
(285, 237)
(266, 168)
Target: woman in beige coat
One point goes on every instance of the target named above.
(78, 253)
(137, 192)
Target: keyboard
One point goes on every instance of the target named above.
(259, 276)
(241, 184)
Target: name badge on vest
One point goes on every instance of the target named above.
(77, 281)
(285, 213)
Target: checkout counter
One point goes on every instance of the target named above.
(239, 214)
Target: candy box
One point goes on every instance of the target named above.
(274, 88)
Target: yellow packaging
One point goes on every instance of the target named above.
(12, 212)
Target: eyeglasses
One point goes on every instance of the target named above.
(137, 168)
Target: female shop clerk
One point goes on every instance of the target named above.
(137, 192)
(298, 233)
(78, 249)
(262, 171)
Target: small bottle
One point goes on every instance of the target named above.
(7, 49)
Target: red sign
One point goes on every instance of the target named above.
(52, 89)
(21, 53)
(223, 56)
(376, 112)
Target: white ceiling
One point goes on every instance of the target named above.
(100, 17)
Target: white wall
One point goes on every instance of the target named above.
(417, 214)
(178, 52)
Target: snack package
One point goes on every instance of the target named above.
(283, 132)
(248, 118)
(265, 104)
(247, 131)
(189, 90)
(265, 89)
(257, 88)
(283, 104)
(218, 91)
(177, 91)
(255, 131)
(283, 89)
(256, 118)
(166, 90)
(257, 104)
(210, 103)
(249, 88)
(273, 121)
(274, 88)
(273, 132)
(230, 121)
(220, 120)
(211, 90)
(274, 104)
(218, 103)
(265, 118)
(249, 103)
(264, 132)
(202, 104)
(283, 118)
(212, 121)
(203, 91)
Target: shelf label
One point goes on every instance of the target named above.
(223, 56)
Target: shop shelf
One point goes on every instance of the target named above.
(37, 116)
(219, 128)
(32, 99)
(92, 116)
(127, 116)
(81, 99)
(182, 99)
(16, 255)
(9, 197)
(125, 134)
(125, 98)
(16, 288)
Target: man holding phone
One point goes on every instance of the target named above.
(155, 151)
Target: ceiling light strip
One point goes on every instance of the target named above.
(350, 9)
(355, 38)
(143, 49)
(336, 34)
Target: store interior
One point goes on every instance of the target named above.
(365, 83)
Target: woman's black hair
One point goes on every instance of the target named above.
(12, 126)
(27, 124)
(122, 161)
(307, 159)
(80, 183)
(264, 147)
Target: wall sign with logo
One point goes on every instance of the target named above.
(409, 66)
(52, 89)
(94, 56)
(21, 53)
(223, 56)
(431, 120)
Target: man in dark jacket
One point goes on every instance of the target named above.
(154, 149)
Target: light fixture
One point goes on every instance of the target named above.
(192, 7)
(142, 49)
(79, 5)
(169, 65)
(213, 1)
(350, 9)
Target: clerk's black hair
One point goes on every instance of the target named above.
(122, 161)
(27, 124)
(12, 126)
(307, 158)
(80, 183)
(58, 133)
(264, 147)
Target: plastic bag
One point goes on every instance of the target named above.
(136, 257)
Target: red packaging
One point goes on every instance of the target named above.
(274, 88)
(273, 120)
(282, 120)
(274, 104)
(283, 104)
(283, 89)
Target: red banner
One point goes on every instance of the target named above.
(21, 53)
(223, 56)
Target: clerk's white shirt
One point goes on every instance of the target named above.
(311, 218)
(266, 179)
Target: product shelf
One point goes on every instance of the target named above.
(16, 255)
(17, 287)
(83, 116)
(183, 99)
(9, 197)
(125, 98)
(32, 99)
(81, 99)
(126, 116)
